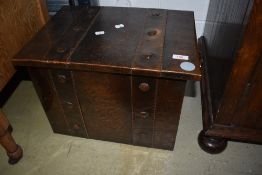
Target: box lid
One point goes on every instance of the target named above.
(137, 41)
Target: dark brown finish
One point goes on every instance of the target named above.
(143, 105)
(212, 145)
(117, 50)
(47, 93)
(222, 35)
(67, 97)
(13, 151)
(149, 51)
(105, 103)
(231, 84)
(179, 40)
(169, 99)
(123, 86)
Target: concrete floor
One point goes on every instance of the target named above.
(48, 153)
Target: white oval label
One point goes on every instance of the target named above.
(187, 66)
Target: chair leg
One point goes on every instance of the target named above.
(14, 151)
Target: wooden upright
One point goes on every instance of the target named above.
(232, 74)
(20, 20)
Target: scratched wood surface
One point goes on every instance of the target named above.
(143, 47)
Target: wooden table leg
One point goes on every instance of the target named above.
(14, 151)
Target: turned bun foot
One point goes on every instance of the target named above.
(212, 145)
(13, 151)
(14, 157)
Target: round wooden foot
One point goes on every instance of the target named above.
(211, 145)
(14, 157)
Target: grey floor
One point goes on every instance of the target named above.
(48, 153)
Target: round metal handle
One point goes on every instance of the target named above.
(144, 87)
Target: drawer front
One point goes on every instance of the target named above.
(47, 94)
(143, 104)
(66, 92)
(167, 113)
(106, 105)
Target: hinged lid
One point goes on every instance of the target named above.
(148, 42)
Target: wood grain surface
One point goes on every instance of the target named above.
(105, 103)
(123, 86)
(20, 20)
(48, 96)
(223, 32)
(231, 87)
(143, 47)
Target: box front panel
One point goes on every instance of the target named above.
(106, 105)
(68, 100)
(49, 98)
(167, 113)
(135, 110)
(143, 104)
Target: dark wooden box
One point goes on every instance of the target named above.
(123, 86)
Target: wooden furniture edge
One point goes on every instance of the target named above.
(207, 142)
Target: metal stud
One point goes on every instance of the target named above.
(144, 114)
(60, 50)
(61, 78)
(148, 56)
(144, 87)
